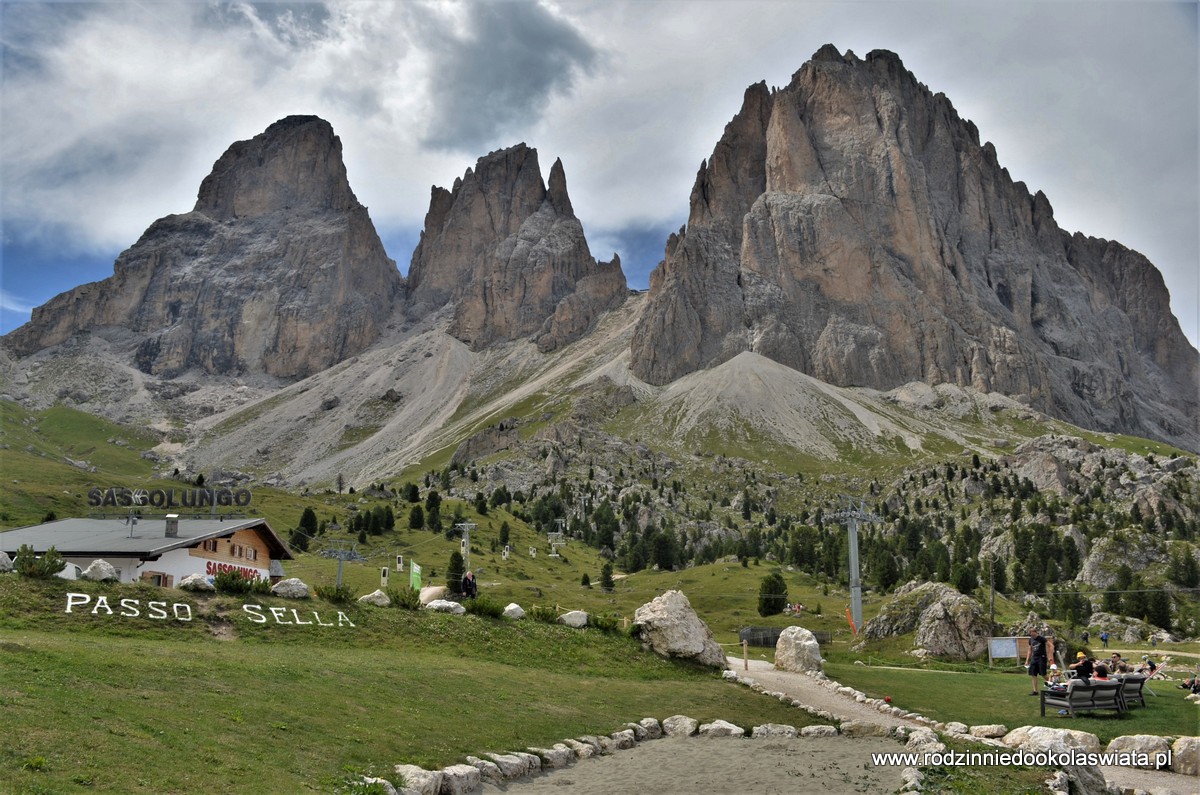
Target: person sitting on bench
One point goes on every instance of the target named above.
(1082, 667)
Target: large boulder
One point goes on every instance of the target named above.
(902, 613)
(954, 626)
(291, 588)
(192, 582)
(514, 611)
(446, 606)
(797, 650)
(1148, 746)
(102, 571)
(575, 618)
(377, 598)
(418, 779)
(1045, 738)
(1185, 756)
(669, 626)
(5, 563)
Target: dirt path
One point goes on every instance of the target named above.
(809, 691)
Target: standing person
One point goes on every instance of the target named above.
(1040, 649)
(1085, 637)
(470, 588)
(1104, 638)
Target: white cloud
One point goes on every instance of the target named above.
(114, 112)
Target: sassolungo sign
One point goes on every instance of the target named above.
(119, 497)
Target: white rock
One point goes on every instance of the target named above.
(446, 606)
(624, 739)
(426, 782)
(670, 627)
(514, 612)
(291, 588)
(377, 598)
(460, 779)
(489, 771)
(5, 563)
(1044, 738)
(860, 728)
(819, 731)
(680, 726)
(653, 728)
(773, 730)
(797, 650)
(582, 750)
(989, 730)
(954, 727)
(1185, 756)
(192, 582)
(1153, 746)
(511, 765)
(102, 570)
(554, 758)
(576, 618)
(721, 728)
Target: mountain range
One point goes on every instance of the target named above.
(858, 276)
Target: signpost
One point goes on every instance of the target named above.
(414, 578)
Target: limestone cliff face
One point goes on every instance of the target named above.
(853, 227)
(278, 269)
(511, 255)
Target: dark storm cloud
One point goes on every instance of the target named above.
(501, 73)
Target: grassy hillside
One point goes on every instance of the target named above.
(104, 704)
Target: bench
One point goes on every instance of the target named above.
(1084, 696)
(1131, 689)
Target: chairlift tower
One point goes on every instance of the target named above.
(855, 511)
(557, 539)
(465, 544)
(343, 550)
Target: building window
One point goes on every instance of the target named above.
(251, 553)
(210, 545)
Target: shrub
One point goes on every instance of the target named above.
(338, 594)
(27, 563)
(406, 598)
(607, 624)
(484, 605)
(233, 582)
(547, 615)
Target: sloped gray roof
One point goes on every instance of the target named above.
(146, 539)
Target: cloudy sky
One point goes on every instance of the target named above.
(112, 113)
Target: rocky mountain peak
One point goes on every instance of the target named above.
(852, 226)
(277, 270)
(295, 164)
(511, 256)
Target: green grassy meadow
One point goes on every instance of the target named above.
(97, 703)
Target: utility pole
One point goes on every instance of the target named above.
(854, 512)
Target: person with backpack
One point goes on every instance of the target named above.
(1040, 650)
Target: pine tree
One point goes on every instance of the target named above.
(454, 574)
(772, 594)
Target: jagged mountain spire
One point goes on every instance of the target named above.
(278, 269)
(853, 227)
